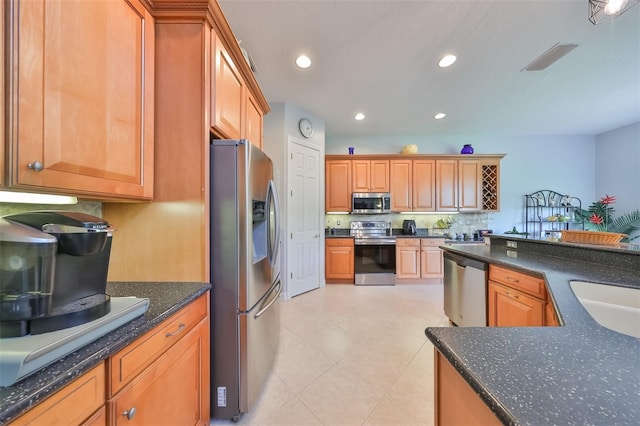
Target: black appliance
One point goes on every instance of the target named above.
(53, 273)
(409, 227)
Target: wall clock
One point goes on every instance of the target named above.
(306, 127)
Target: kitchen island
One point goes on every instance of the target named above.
(166, 299)
(577, 373)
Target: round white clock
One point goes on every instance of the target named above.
(306, 127)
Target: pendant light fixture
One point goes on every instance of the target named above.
(604, 10)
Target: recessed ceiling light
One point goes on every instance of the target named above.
(359, 116)
(303, 61)
(440, 115)
(447, 60)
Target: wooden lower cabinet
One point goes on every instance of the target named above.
(339, 261)
(456, 403)
(99, 418)
(75, 404)
(171, 390)
(431, 260)
(515, 299)
(163, 376)
(512, 308)
(419, 259)
(407, 258)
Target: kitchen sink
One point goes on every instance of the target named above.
(614, 307)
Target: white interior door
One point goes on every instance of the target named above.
(303, 219)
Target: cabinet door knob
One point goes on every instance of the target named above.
(129, 413)
(36, 165)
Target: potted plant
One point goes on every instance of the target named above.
(600, 217)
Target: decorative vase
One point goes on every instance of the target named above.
(467, 149)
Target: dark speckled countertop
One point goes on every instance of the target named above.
(577, 374)
(165, 298)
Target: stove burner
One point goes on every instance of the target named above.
(371, 233)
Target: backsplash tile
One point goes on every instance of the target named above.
(463, 222)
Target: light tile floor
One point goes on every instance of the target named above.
(353, 355)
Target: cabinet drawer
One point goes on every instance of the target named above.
(130, 361)
(72, 404)
(174, 390)
(432, 242)
(523, 282)
(339, 242)
(407, 242)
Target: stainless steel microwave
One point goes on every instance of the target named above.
(371, 202)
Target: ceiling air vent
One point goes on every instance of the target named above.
(556, 52)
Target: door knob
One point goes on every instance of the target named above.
(129, 413)
(36, 165)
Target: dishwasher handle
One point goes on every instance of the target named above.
(463, 261)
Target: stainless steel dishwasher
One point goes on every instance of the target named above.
(465, 290)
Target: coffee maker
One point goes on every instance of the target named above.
(53, 271)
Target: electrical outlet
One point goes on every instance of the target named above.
(512, 244)
(338, 222)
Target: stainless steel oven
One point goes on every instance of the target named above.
(375, 253)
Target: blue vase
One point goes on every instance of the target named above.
(467, 149)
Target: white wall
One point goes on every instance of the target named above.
(565, 164)
(280, 128)
(618, 166)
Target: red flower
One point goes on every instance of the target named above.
(596, 219)
(606, 200)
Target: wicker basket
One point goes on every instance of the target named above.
(592, 237)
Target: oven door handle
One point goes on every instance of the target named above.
(375, 242)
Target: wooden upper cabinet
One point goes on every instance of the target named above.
(253, 121)
(469, 185)
(458, 185)
(81, 91)
(227, 93)
(412, 185)
(379, 176)
(370, 175)
(447, 185)
(423, 186)
(338, 186)
(401, 178)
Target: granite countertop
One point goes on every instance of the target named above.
(165, 298)
(578, 373)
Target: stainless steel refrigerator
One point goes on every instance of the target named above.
(245, 317)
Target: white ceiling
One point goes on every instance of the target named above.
(380, 57)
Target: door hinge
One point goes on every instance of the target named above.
(292, 235)
(292, 192)
(292, 275)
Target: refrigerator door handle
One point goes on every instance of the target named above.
(273, 300)
(272, 243)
